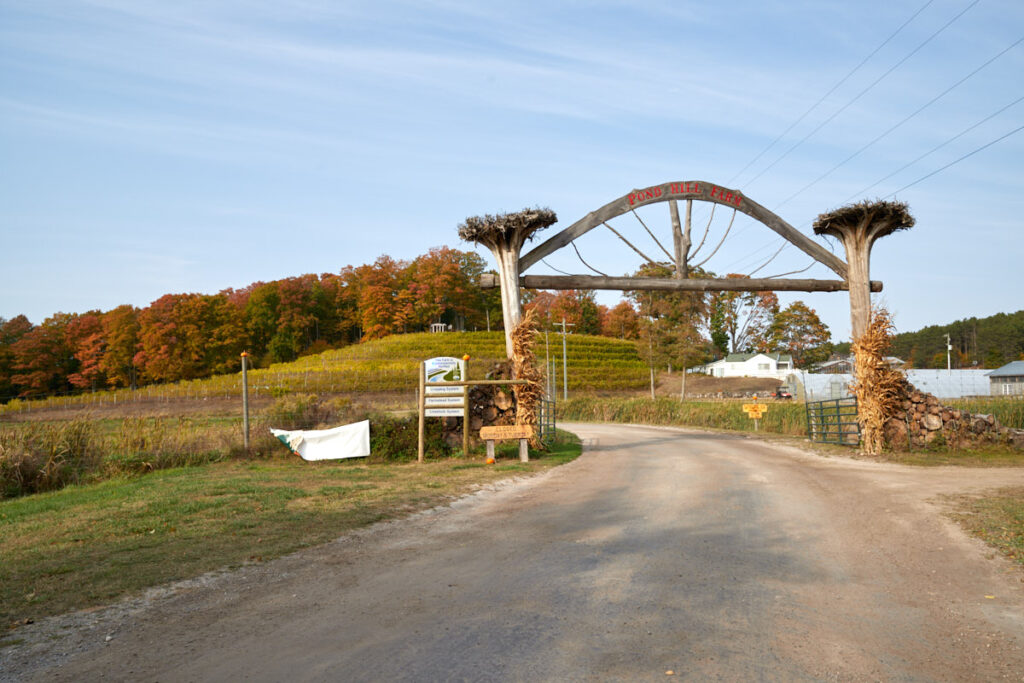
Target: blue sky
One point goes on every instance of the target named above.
(149, 147)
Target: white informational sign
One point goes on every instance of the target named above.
(444, 369)
(443, 412)
(445, 400)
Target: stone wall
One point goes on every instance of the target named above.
(921, 419)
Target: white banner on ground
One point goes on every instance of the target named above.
(347, 441)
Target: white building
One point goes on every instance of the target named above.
(771, 365)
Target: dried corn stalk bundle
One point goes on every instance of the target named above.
(524, 366)
(879, 389)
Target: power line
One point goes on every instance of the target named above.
(831, 90)
(864, 91)
(935, 149)
(905, 119)
(957, 161)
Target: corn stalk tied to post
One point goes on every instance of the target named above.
(877, 386)
(524, 366)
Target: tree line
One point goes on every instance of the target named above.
(189, 336)
(977, 342)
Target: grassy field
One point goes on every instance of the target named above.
(88, 545)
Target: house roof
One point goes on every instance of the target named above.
(744, 357)
(1009, 370)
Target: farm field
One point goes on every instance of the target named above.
(385, 370)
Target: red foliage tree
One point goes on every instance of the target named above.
(86, 338)
(621, 321)
(10, 332)
(43, 359)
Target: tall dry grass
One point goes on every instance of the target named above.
(46, 456)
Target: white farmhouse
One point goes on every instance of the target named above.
(773, 365)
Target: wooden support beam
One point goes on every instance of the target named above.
(691, 189)
(488, 281)
(677, 238)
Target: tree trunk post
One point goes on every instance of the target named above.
(858, 226)
(858, 257)
(511, 300)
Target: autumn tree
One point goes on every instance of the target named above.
(385, 304)
(672, 321)
(10, 332)
(444, 285)
(621, 321)
(121, 333)
(798, 331)
(86, 338)
(577, 307)
(43, 358)
(185, 336)
(742, 318)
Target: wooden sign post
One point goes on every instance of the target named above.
(444, 392)
(507, 433)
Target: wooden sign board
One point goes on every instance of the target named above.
(503, 432)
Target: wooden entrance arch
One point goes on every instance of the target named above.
(857, 226)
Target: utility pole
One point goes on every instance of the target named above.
(565, 366)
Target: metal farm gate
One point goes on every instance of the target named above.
(833, 421)
(546, 421)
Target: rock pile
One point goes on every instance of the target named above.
(922, 420)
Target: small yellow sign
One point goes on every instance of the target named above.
(755, 410)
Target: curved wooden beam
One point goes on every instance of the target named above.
(691, 189)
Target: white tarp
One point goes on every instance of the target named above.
(347, 441)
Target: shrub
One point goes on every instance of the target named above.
(305, 411)
(395, 439)
(44, 457)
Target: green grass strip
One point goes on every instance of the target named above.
(89, 545)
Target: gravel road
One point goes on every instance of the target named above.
(660, 550)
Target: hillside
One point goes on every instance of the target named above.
(987, 342)
(385, 366)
